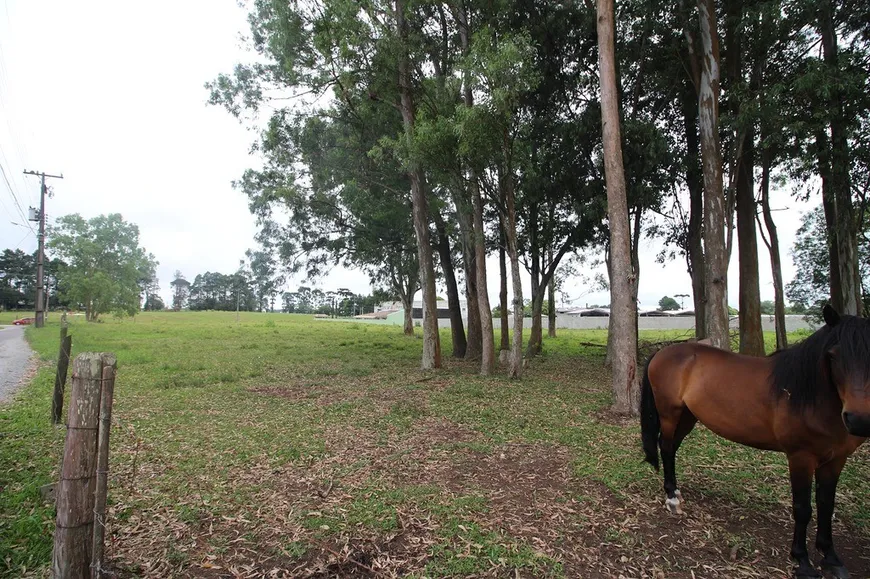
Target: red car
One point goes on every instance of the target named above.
(23, 322)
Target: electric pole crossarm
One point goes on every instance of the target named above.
(41, 174)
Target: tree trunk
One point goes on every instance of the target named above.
(457, 328)
(635, 262)
(551, 297)
(773, 247)
(408, 328)
(465, 217)
(751, 334)
(749, 296)
(504, 345)
(487, 356)
(847, 233)
(609, 355)
(623, 311)
(694, 246)
(536, 332)
(408, 307)
(431, 339)
(509, 219)
(829, 204)
(546, 281)
(715, 253)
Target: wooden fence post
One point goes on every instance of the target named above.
(109, 367)
(62, 367)
(71, 557)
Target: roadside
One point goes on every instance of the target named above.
(15, 360)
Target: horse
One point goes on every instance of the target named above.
(810, 401)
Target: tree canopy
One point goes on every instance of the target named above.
(667, 304)
(411, 139)
(104, 263)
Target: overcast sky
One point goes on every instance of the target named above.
(111, 95)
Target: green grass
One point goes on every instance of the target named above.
(214, 419)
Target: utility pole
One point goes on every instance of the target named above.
(40, 256)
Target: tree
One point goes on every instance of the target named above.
(623, 314)
(419, 200)
(17, 279)
(474, 227)
(839, 166)
(811, 286)
(743, 161)
(180, 291)
(149, 286)
(368, 55)
(715, 253)
(264, 277)
(668, 304)
(501, 68)
(104, 263)
(154, 303)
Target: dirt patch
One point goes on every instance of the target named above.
(353, 512)
(370, 390)
(318, 392)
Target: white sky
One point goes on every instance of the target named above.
(111, 95)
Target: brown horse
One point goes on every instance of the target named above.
(811, 401)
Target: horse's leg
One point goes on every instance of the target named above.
(801, 469)
(673, 433)
(684, 427)
(827, 476)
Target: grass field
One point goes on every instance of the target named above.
(300, 447)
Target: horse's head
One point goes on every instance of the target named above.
(849, 363)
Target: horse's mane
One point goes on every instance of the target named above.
(798, 370)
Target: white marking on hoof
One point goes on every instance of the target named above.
(673, 506)
(679, 496)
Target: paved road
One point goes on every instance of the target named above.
(14, 360)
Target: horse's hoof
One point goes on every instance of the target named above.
(837, 571)
(806, 572)
(673, 506)
(679, 496)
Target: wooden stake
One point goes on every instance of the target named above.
(62, 368)
(109, 368)
(71, 557)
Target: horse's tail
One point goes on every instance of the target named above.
(650, 424)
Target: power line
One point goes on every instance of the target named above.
(19, 148)
(15, 198)
(18, 245)
(19, 183)
(5, 208)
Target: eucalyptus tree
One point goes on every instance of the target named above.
(623, 310)
(500, 66)
(715, 255)
(812, 68)
(560, 190)
(353, 52)
(741, 107)
(335, 181)
(265, 278)
(810, 286)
